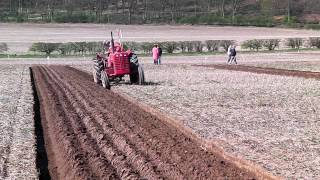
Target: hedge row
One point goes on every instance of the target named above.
(216, 45)
(72, 48)
(181, 46)
(271, 44)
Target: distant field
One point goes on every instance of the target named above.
(20, 36)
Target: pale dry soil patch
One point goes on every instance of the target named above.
(272, 121)
(17, 139)
(20, 36)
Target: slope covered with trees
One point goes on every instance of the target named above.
(237, 12)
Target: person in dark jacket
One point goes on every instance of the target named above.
(160, 54)
(233, 54)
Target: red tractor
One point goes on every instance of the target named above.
(113, 65)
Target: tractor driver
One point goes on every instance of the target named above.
(118, 47)
(106, 45)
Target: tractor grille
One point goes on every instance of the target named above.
(121, 63)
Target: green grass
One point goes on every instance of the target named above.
(5, 56)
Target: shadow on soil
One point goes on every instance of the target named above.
(41, 158)
(150, 83)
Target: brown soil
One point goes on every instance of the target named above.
(93, 133)
(261, 70)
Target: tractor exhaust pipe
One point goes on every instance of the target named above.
(112, 42)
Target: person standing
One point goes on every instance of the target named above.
(233, 54)
(160, 54)
(155, 54)
(229, 54)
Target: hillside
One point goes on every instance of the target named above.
(235, 12)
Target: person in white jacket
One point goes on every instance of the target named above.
(229, 54)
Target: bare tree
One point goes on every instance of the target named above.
(171, 5)
(132, 4)
(145, 10)
(288, 8)
(164, 10)
(235, 6)
(221, 7)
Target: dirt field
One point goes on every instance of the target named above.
(20, 36)
(94, 134)
(269, 120)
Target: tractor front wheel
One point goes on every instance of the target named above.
(105, 80)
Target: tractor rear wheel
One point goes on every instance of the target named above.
(96, 77)
(97, 69)
(105, 80)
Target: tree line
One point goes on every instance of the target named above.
(151, 11)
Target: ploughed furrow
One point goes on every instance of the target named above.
(88, 141)
(262, 70)
(93, 133)
(73, 159)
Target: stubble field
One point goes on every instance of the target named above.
(270, 120)
(17, 135)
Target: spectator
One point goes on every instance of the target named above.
(160, 54)
(155, 54)
(233, 54)
(229, 54)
